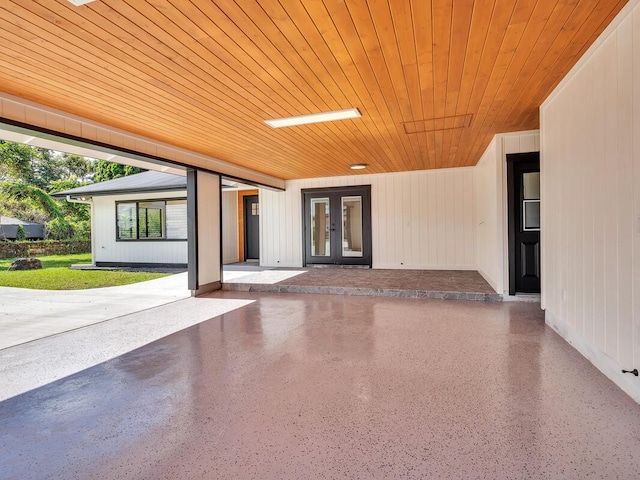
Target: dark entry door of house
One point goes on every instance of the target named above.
(337, 225)
(251, 209)
(523, 184)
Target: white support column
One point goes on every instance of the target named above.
(205, 239)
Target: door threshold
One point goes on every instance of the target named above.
(522, 297)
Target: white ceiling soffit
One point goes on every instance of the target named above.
(86, 152)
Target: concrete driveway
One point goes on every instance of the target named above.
(27, 315)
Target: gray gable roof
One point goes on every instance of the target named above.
(138, 183)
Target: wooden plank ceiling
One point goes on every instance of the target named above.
(434, 79)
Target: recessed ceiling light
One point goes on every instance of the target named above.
(77, 3)
(358, 166)
(314, 118)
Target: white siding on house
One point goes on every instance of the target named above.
(421, 220)
(230, 252)
(490, 180)
(107, 249)
(209, 234)
(590, 131)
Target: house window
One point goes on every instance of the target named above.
(152, 220)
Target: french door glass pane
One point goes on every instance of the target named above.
(320, 227)
(352, 226)
(531, 213)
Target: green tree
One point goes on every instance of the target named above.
(40, 166)
(15, 162)
(28, 175)
(38, 198)
(77, 166)
(77, 211)
(46, 166)
(109, 170)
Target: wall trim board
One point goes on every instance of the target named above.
(586, 56)
(142, 265)
(240, 200)
(367, 178)
(609, 367)
(519, 133)
(383, 266)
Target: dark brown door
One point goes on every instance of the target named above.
(523, 182)
(251, 227)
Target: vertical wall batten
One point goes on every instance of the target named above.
(590, 127)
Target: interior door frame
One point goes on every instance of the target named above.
(245, 220)
(353, 190)
(513, 199)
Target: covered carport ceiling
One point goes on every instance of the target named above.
(434, 80)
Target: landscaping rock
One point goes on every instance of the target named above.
(26, 264)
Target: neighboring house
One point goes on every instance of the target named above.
(138, 220)
(9, 229)
(141, 220)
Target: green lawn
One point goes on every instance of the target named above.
(56, 275)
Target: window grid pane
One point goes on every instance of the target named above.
(531, 215)
(126, 221)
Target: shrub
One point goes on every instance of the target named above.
(21, 234)
(81, 229)
(58, 229)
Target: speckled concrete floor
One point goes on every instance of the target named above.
(310, 386)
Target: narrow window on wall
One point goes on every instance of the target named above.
(176, 215)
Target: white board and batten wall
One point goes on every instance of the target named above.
(230, 253)
(590, 128)
(107, 249)
(420, 220)
(490, 205)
